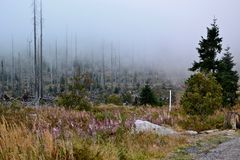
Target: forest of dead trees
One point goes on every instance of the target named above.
(40, 73)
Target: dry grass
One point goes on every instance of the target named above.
(237, 108)
(55, 133)
(19, 143)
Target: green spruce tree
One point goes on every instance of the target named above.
(228, 78)
(147, 96)
(208, 50)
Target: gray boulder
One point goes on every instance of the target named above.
(145, 126)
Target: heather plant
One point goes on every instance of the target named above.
(19, 142)
(104, 133)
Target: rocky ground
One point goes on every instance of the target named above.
(217, 145)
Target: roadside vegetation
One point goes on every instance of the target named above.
(211, 91)
(105, 132)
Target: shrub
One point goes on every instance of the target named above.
(72, 101)
(76, 98)
(127, 98)
(198, 124)
(202, 96)
(114, 99)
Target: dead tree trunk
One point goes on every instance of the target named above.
(119, 69)
(232, 120)
(66, 66)
(56, 67)
(75, 62)
(19, 75)
(41, 51)
(30, 67)
(13, 68)
(112, 75)
(103, 67)
(35, 49)
(2, 78)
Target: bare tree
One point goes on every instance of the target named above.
(2, 76)
(41, 51)
(30, 66)
(119, 67)
(19, 75)
(66, 65)
(76, 47)
(103, 66)
(56, 67)
(76, 57)
(13, 68)
(35, 48)
(112, 65)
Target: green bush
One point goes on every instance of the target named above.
(76, 98)
(127, 98)
(203, 95)
(73, 101)
(198, 123)
(114, 99)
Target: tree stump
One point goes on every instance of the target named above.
(232, 120)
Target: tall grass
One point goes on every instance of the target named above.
(19, 143)
(53, 133)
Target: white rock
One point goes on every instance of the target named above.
(145, 126)
(209, 131)
(190, 132)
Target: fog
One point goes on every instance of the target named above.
(146, 33)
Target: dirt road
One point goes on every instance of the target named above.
(229, 150)
(220, 145)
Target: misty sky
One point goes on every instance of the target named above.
(163, 33)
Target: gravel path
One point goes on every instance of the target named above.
(229, 150)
